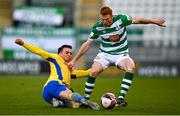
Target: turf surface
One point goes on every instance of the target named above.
(21, 95)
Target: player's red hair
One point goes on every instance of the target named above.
(105, 10)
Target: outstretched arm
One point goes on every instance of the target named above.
(83, 49)
(33, 49)
(80, 73)
(139, 20)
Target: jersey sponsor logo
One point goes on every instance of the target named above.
(129, 17)
(91, 34)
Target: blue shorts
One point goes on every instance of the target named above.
(52, 90)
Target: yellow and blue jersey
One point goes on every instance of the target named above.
(59, 71)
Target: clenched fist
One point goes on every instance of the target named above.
(160, 22)
(19, 42)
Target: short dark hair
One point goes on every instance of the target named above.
(64, 46)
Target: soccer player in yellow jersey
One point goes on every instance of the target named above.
(57, 86)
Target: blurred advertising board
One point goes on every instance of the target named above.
(23, 67)
(39, 15)
(163, 69)
(144, 69)
(49, 39)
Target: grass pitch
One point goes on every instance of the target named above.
(21, 95)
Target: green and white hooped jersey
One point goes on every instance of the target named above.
(118, 27)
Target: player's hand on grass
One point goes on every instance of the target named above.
(19, 41)
(160, 22)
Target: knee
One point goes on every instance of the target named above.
(131, 69)
(65, 94)
(94, 73)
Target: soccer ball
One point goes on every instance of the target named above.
(108, 100)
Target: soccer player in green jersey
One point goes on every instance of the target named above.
(111, 30)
